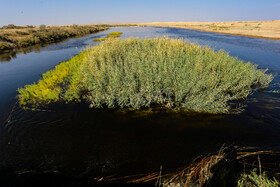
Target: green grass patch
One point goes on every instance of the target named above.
(259, 180)
(136, 73)
(54, 84)
(109, 36)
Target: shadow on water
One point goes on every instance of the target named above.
(8, 55)
(77, 141)
(72, 142)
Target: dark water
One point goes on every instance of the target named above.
(76, 141)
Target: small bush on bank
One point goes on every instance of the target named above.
(22, 33)
(137, 73)
(42, 27)
(5, 46)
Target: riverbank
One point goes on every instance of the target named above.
(259, 29)
(14, 37)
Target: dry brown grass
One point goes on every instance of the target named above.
(261, 29)
(220, 169)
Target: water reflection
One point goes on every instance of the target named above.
(8, 55)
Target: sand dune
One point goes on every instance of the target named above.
(261, 29)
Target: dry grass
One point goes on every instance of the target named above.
(262, 29)
(234, 166)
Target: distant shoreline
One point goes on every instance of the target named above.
(257, 29)
(14, 37)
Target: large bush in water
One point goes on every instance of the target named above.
(140, 73)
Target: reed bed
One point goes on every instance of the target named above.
(143, 73)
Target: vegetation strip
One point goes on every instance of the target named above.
(12, 37)
(143, 73)
(109, 36)
(259, 29)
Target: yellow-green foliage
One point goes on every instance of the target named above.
(114, 34)
(109, 36)
(136, 73)
(53, 84)
(257, 180)
(139, 73)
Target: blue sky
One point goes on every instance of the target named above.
(59, 12)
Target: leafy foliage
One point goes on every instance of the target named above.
(258, 180)
(136, 73)
(22, 33)
(53, 84)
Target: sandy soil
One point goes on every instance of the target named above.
(261, 29)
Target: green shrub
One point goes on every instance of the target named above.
(50, 88)
(31, 31)
(137, 73)
(10, 26)
(6, 34)
(258, 180)
(3, 37)
(24, 42)
(5, 46)
(42, 27)
(22, 33)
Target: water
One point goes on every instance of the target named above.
(76, 141)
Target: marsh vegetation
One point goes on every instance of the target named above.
(177, 138)
(12, 37)
(109, 36)
(136, 74)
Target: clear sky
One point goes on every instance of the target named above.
(61, 12)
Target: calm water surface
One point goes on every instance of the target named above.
(77, 141)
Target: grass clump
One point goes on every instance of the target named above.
(109, 36)
(230, 166)
(136, 73)
(258, 180)
(52, 86)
